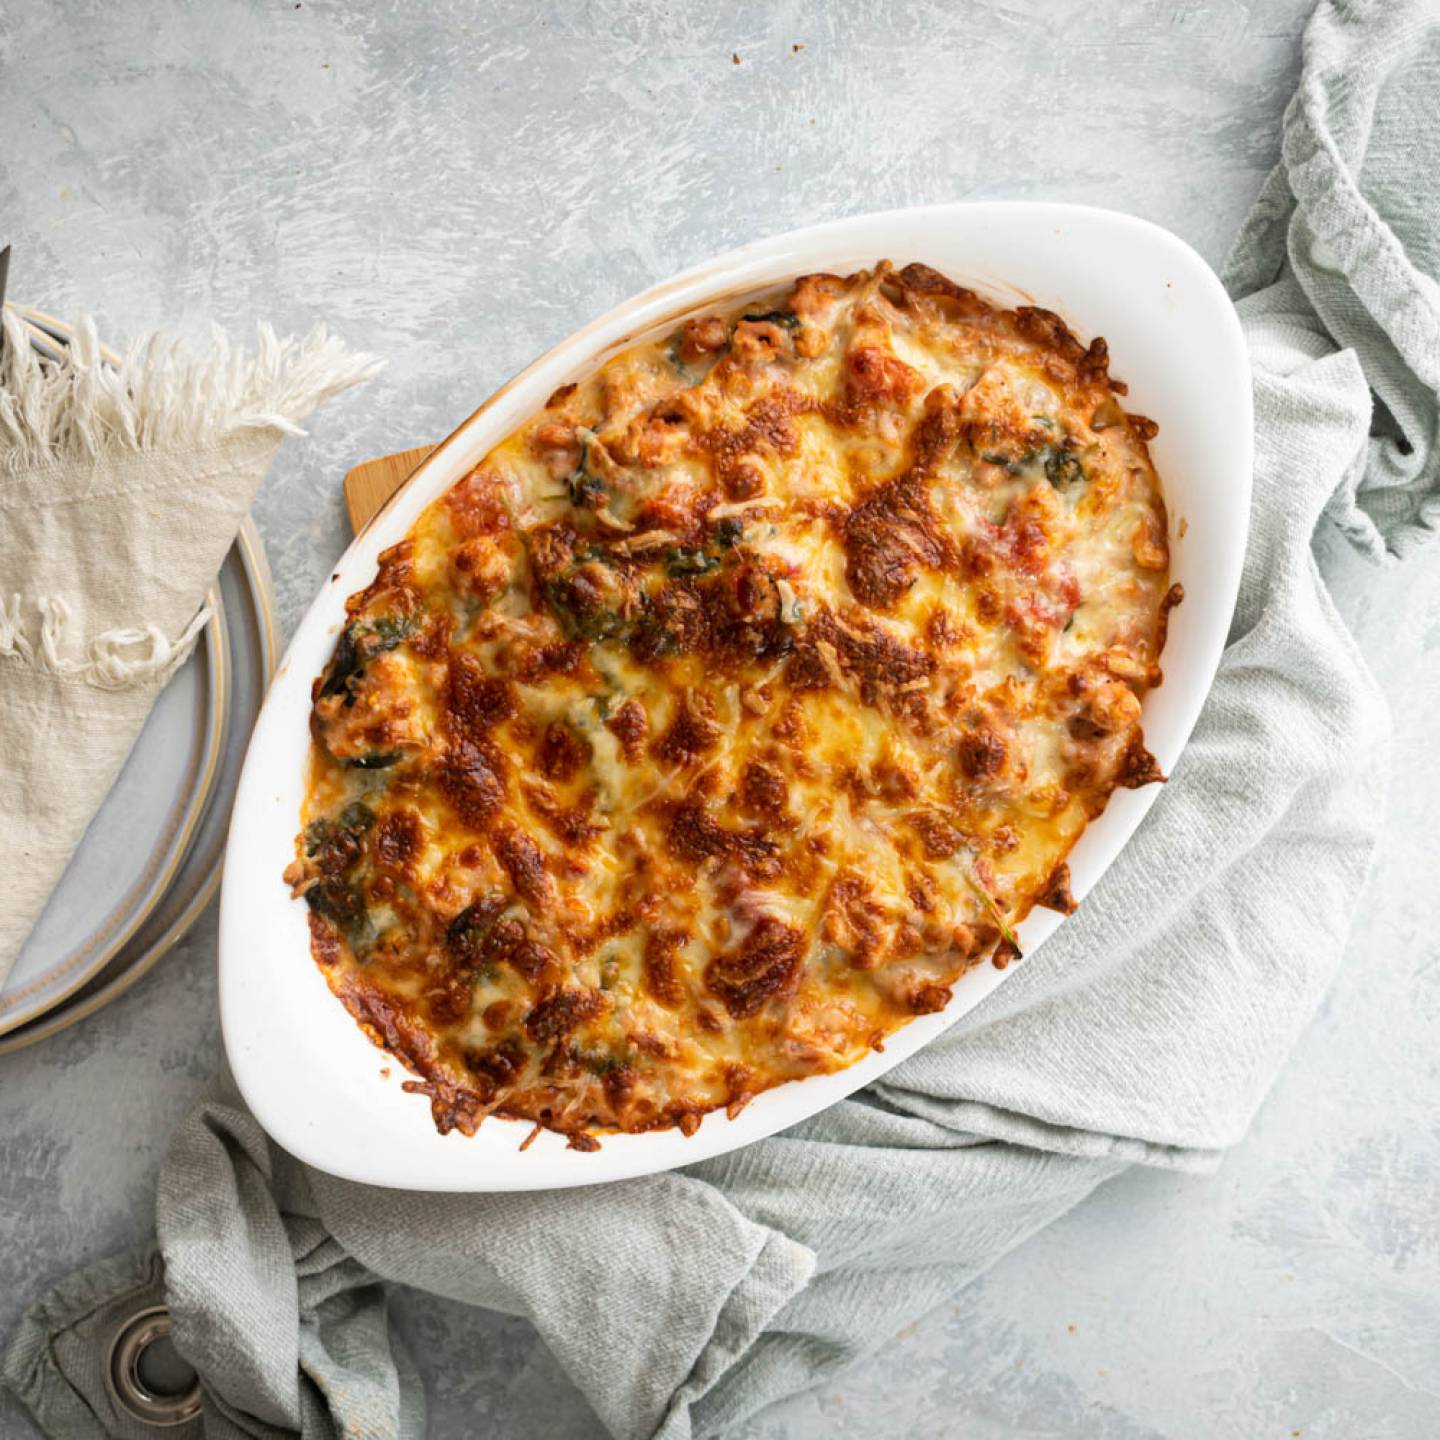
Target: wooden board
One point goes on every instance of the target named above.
(370, 484)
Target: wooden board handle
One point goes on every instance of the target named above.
(370, 484)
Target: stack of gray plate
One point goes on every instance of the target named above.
(151, 858)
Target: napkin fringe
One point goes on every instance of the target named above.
(92, 405)
(116, 661)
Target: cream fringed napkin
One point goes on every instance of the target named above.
(121, 489)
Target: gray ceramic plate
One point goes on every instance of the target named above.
(253, 640)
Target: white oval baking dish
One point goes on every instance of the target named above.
(313, 1079)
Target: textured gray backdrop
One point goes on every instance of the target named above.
(458, 186)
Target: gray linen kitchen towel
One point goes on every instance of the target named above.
(1146, 1032)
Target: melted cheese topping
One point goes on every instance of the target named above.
(735, 705)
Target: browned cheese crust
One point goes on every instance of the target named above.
(735, 705)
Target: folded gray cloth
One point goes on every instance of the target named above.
(1146, 1032)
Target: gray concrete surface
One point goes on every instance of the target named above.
(459, 186)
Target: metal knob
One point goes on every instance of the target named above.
(146, 1377)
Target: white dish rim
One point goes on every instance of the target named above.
(312, 1078)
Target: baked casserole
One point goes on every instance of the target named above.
(735, 705)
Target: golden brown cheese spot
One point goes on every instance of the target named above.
(376, 713)
(767, 966)
(398, 838)
(481, 569)
(982, 749)
(893, 533)
(562, 751)
(1139, 767)
(887, 538)
(937, 834)
(472, 779)
(662, 972)
(495, 1067)
(874, 373)
(768, 430)
(925, 997)
(756, 341)
(854, 921)
(762, 789)
(394, 571)
(563, 1012)
(1056, 895)
(735, 705)
(474, 701)
(324, 942)
(630, 725)
(558, 446)
(575, 826)
(524, 862)
(701, 336)
(1148, 545)
(815, 296)
(529, 959)
(695, 835)
(476, 506)
(922, 283)
(1110, 706)
(692, 733)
